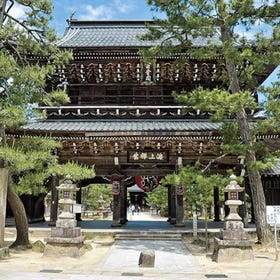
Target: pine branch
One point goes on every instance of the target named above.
(20, 57)
(30, 31)
(212, 161)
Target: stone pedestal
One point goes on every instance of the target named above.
(233, 246)
(64, 241)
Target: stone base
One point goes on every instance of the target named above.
(4, 252)
(147, 258)
(232, 250)
(64, 247)
(57, 250)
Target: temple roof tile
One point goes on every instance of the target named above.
(151, 125)
(114, 34)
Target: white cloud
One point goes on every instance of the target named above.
(100, 12)
(18, 11)
(107, 11)
(123, 6)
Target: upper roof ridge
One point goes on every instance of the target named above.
(90, 23)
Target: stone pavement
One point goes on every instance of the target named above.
(120, 261)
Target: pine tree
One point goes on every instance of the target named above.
(220, 23)
(27, 59)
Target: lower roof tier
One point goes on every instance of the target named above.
(90, 127)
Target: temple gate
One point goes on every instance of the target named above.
(122, 117)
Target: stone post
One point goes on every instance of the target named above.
(173, 202)
(180, 206)
(4, 175)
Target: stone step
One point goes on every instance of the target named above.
(148, 236)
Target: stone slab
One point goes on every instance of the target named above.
(63, 241)
(233, 243)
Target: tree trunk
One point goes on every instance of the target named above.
(263, 231)
(2, 11)
(19, 213)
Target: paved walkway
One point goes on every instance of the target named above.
(143, 221)
(170, 257)
(120, 260)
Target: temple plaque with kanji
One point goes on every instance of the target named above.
(147, 156)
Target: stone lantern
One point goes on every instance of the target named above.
(233, 245)
(233, 189)
(66, 238)
(66, 193)
(100, 202)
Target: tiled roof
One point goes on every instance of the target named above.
(275, 170)
(95, 34)
(133, 126)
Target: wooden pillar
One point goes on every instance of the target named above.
(4, 175)
(179, 206)
(226, 208)
(54, 199)
(173, 205)
(125, 204)
(216, 205)
(123, 198)
(169, 203)
(116, 189)
(79, 201)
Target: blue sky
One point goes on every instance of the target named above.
(99, 10)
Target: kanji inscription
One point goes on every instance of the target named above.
(148, 156)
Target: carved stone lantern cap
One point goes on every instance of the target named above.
(67, 184)
(233, 185)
